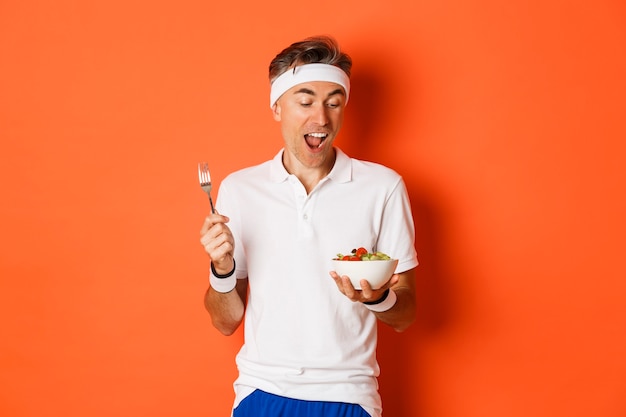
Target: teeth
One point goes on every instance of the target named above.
(318, 135)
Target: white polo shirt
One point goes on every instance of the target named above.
(303, 338)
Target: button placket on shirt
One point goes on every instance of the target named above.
(304, 205)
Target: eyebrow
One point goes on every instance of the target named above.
(308, 91)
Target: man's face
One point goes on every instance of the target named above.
(311, 115)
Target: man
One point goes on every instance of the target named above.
(310, 338)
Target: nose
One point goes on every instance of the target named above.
(320, 117)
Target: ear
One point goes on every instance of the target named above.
(276, 112)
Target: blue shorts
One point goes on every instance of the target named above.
(263, 404)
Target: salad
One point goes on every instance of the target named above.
(362, 254)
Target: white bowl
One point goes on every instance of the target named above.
(377, 273)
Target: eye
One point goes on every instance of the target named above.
(305, 103)
(334, 102)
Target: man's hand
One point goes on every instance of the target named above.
(218, 242)
(366, 293)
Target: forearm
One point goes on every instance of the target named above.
(224, 303)
(227, 309)
(403, 312)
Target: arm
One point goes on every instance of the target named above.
(225, 308)
(402, 314)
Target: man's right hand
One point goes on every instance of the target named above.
(218, 242)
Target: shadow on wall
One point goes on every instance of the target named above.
(362, 117)
(402, 382)
(368, 117)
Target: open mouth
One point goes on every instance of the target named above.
(315, 140)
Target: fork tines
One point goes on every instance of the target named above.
(203, 173)
(205, 181)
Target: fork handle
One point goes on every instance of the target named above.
(212, 207)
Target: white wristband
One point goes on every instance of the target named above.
(225, 283)
(384, 305)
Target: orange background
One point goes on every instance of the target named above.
(506, 119)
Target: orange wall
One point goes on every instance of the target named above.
(505, 118)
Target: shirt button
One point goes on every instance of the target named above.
(305, 217)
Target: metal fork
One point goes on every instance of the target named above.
(205, 181)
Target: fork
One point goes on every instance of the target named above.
(205, 181)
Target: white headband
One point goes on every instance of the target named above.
(307, 73)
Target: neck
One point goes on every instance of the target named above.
(309, 176)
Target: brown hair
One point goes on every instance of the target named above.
(313, 50)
